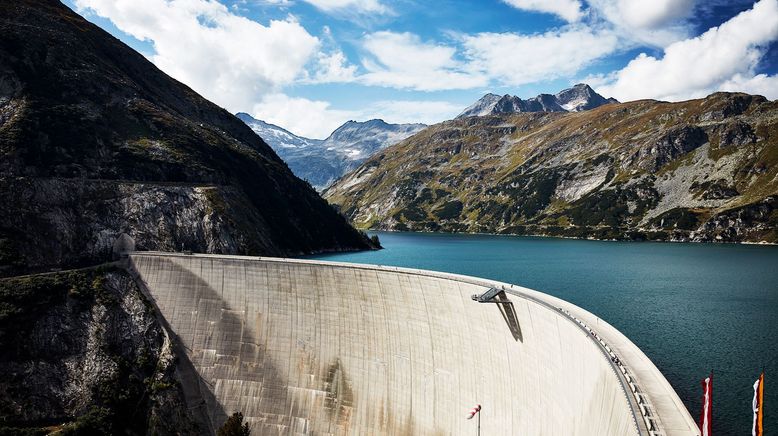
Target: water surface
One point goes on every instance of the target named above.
(690, 307)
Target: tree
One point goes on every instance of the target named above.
(234, 426)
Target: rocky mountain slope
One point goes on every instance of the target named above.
(321, 162)
(95, 141)
(82, 353)
(578, 98)
(699, 170)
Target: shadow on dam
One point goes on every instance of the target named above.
(308, 348)
(198, 392)
(223, 349)
(509, 315)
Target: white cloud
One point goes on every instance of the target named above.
(301, 116)
(515, 59)
(229, 59)
(412, 111)
(333, 68)
(653, 14)
(320, 119)
(598, 80)
(569, 10)
(331, 64)
(643, 14)
(760, 84)
(724, 57)
(402, 60)
(656, 22)
(359, 6)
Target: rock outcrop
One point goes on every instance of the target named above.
(88, 213)
(82, 352)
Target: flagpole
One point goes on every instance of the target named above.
(473, 412)
(705, 413)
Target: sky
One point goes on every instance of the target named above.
(311, 65)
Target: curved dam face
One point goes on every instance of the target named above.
(320, 348)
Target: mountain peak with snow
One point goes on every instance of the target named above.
(322, 161)
(579, 97)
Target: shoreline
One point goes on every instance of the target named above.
(664, 241)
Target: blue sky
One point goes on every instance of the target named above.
(310, 65)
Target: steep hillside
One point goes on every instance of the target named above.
(578, 98)
(95, 141)
(82, 352)
(321, 162)
(700, 170)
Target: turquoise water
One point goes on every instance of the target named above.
(689, 307)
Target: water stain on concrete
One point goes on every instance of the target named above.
(340, 397)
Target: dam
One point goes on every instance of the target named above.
(304, 347)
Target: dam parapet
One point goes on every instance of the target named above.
(312, 347)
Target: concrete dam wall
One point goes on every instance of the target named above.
(321, 348)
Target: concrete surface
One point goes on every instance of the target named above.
(311, 347)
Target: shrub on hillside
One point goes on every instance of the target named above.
(234, 426)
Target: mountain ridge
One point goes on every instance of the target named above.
(580, 97)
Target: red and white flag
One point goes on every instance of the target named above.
(707, 392)
(757, 429)
(473, 411)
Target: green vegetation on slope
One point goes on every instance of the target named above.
(702, 170)
(234, 426)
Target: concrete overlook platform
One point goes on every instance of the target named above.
(309, 347)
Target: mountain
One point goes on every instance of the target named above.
(321, 162)
(699, 170)
(358, 140)
(278, 138)
(581, 97)
(578, 98)
(96, 141)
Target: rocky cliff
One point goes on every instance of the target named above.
(83, 353)
(700, 170)
(95, 141)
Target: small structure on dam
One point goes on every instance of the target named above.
(308, 347)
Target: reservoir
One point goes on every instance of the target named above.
(691, 308)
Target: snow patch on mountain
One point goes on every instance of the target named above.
(484, 106)
(579, 97)
(276, 136)
(321, 162)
